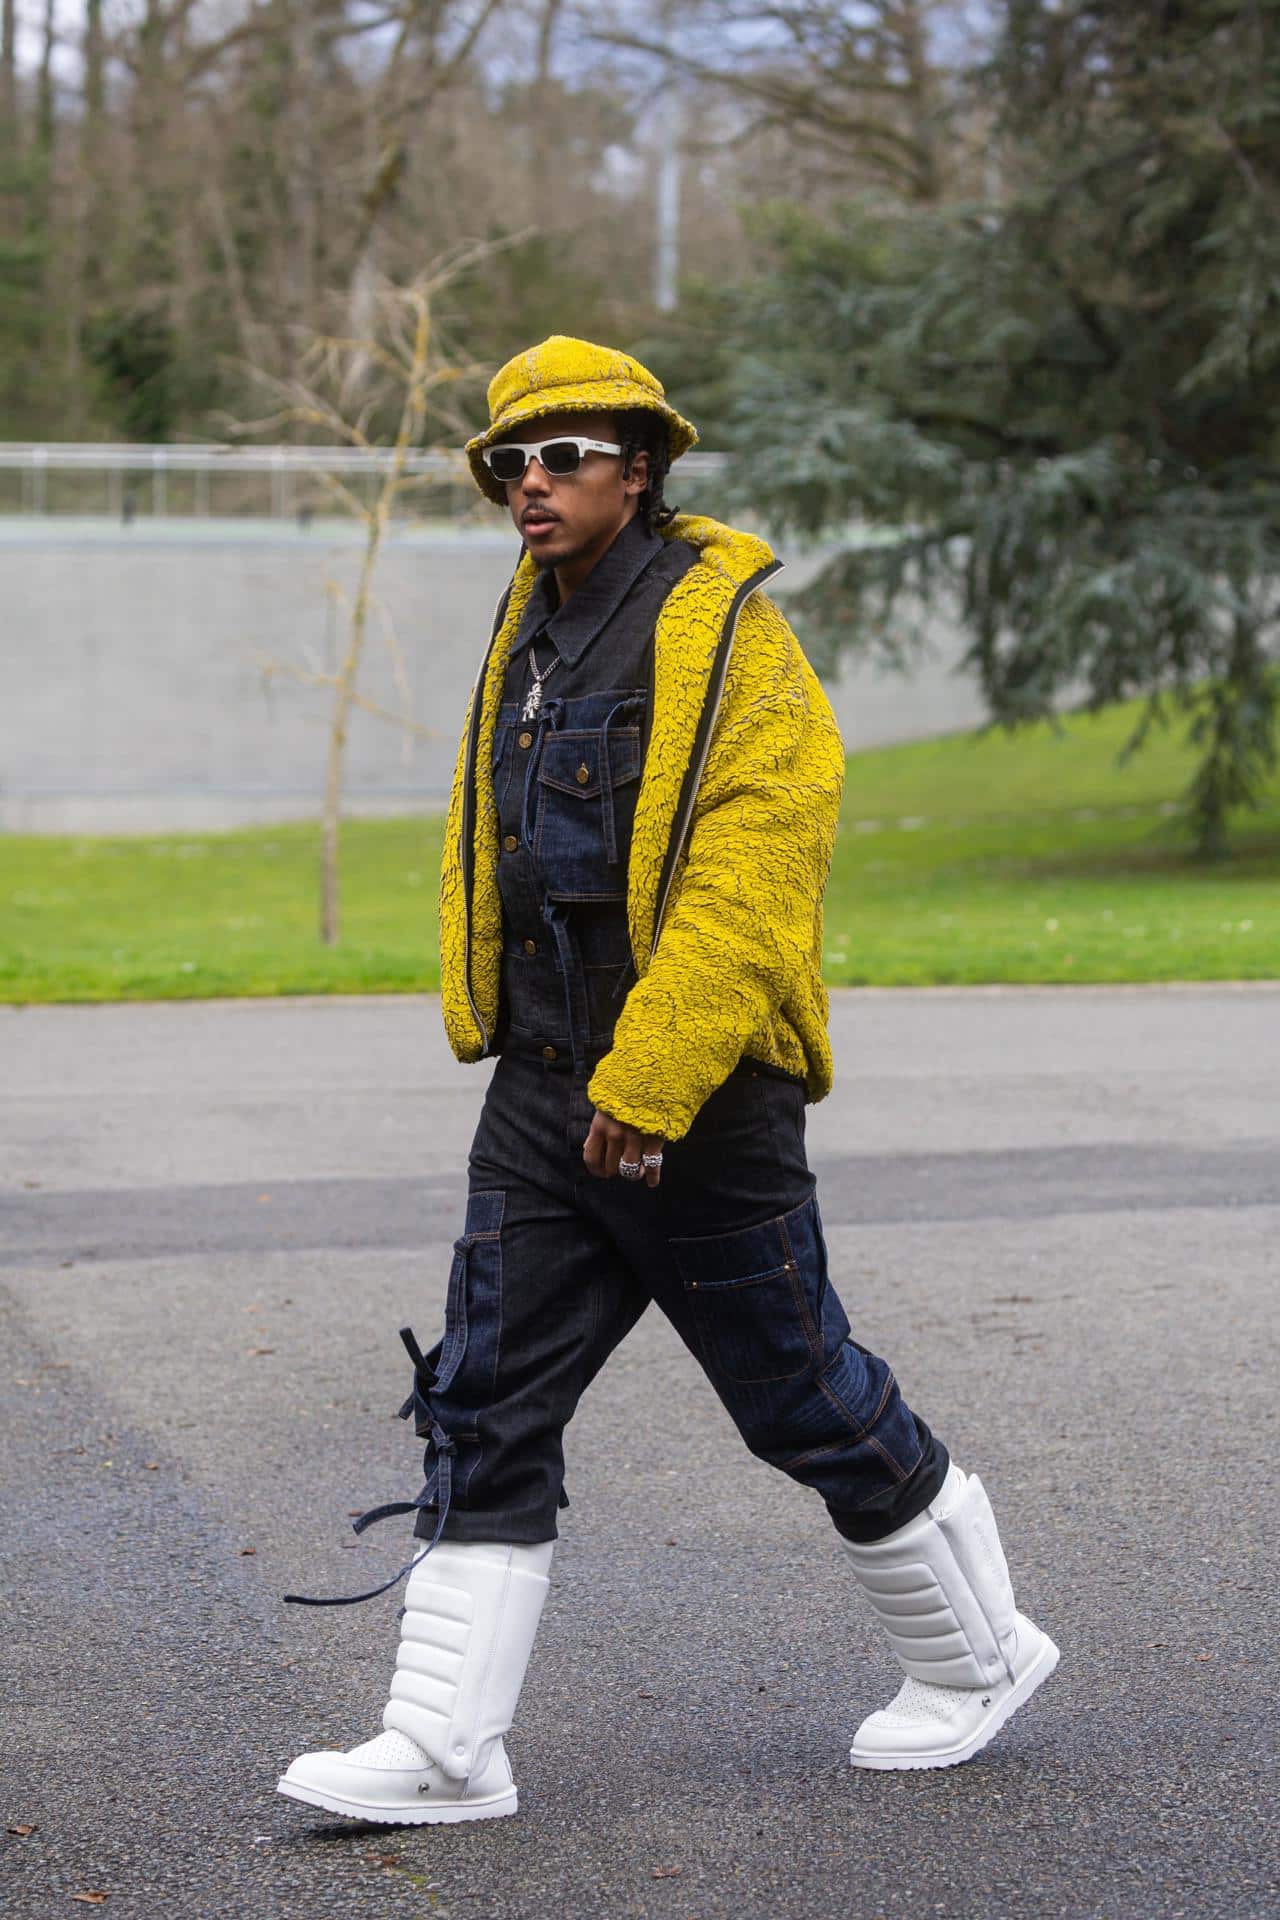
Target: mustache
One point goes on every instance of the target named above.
(538, 513)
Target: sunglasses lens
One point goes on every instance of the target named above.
(561, 456)
(506, 463)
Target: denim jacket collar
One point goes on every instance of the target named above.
(572, 627)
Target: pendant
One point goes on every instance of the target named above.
(533, 702)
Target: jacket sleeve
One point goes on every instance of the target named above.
(746, 904)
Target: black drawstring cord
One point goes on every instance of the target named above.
(438, 1488)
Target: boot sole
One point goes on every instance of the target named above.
(1036, 1674)
(446, 1814)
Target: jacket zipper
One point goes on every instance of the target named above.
(466, 835)
(714, 696)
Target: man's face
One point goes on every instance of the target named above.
(576, 516)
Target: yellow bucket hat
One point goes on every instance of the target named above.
(563, 375)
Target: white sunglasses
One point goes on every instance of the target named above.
(559, 456)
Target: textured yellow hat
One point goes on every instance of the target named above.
(563, 375)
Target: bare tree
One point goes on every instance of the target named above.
(856, 87)
(544, 98)
(414, 400)
(221, 167)
(44, 86)
(8, 74)
(434, 41)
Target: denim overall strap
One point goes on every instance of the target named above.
(577, 1004)
(566, 790)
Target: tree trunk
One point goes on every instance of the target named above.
(94, 57)
(44, 87)
(8, 76)
(1239, 732)
(90, 205)
(412, 414)
(300, 162)
(344, 695)
(545, 141)
(921, 99)
(237, 294)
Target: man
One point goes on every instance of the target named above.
(631, 921)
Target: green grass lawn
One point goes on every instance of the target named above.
(970, 858)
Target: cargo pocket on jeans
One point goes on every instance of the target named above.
(747, 1298)
(468, 1354)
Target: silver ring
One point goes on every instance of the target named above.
(631, 1169)
(651, 1159)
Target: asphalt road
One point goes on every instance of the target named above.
(1056, 1211)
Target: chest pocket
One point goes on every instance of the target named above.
(588, 783)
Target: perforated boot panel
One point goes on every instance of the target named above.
(391, 1749)
(918, 1700)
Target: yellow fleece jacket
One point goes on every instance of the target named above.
(731, 846)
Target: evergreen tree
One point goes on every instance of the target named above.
(1062, 404)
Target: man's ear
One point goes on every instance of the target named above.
(637, 478)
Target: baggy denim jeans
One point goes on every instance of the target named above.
(555, 1266)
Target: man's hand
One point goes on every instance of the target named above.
(609, 1142)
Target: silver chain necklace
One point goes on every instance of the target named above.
(533, 699)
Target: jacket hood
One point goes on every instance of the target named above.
(726, 550)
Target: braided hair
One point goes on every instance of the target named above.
(640, 430)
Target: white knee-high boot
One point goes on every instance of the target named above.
(941, 1589)
(471, 1613)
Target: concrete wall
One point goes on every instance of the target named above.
(133, 697)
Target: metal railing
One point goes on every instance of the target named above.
(124, 467)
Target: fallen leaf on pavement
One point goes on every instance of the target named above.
(23, 1828)
(245, 1550)
(93, 1898)
(665, 1873)
(254, 1351)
